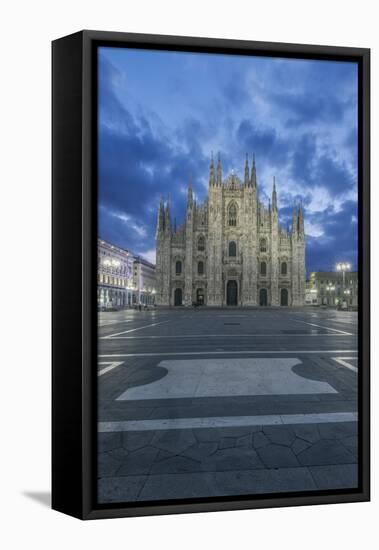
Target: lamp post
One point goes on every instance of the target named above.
(343, 266)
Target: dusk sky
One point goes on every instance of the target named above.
(162, 113)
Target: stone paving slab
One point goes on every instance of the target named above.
(216, 484)
(351, 443)
(335, 477)
(325, 453)
(107, 441)
(332, 431)
(120, 489)
(277, 456)
(173, 486)
(136, 440)
(239, 482)
(107, 465)
(279, 435)
(138, 462)
(174, 441)
(299, 445)
(307, 432)
(220, 434)
(199, 451)
(264, 481)
(236, 458)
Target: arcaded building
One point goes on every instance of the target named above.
(231, 250)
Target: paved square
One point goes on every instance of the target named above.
(196, 403)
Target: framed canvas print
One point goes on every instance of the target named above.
(210, 274)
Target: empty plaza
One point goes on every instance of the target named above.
(200, 402)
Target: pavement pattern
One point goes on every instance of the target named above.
(215, 402)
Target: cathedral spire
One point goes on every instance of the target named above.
(274, 197)
(301, 218)
(219, 171)
(253, 173)
(294, 220)
(168, 215)
(161, 216)
(246, 180)
(190, 194)
(212, 172)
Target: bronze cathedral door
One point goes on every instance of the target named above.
(231, 293)
(263, 297)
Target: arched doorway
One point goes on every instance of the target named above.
(284, 297)
(231, 293)
(263, 297)
(178, 297)
(200, 296)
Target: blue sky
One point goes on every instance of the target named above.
(162, 113)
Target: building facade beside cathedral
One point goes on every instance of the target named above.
(231, 250)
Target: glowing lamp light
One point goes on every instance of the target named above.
(343, 266)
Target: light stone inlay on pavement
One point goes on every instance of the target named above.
(225, 421)
(227, 377)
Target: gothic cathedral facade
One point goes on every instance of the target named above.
(231, 250)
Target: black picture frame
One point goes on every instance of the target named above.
(74, 267)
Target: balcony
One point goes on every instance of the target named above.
(232, 260)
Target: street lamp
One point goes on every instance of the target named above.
(343, 266)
